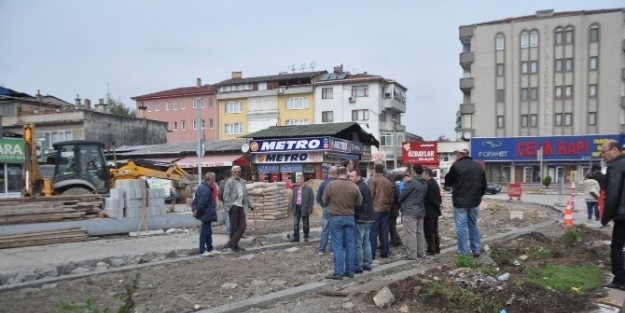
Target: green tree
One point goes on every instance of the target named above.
(117, 107)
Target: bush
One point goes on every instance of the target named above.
(547, 181)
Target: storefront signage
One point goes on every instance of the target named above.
(340, 145)
(420, 152)
(12, 151)
(561, 148)
(357, 148)
(288, 157)
(296, 144)
(291, 168)
(269, 168)
(309, 168)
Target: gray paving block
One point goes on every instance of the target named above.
(117, 193)
(133, 203)
(133, 212)
(113, 203)
(126, 184)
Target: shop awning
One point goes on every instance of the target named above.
(210, 160)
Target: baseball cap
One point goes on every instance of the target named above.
(462, 148)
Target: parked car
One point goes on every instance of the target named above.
(493, 188)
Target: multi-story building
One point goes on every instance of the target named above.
(374, 102)
(179, 108)
(547, 74)
(250, 104)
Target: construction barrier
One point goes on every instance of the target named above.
(568, 215)
(514, 191)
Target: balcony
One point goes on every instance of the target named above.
(466, 33)
(466, 59)
(467, 108)
(466, 84)
(394, 104)
(388, 127)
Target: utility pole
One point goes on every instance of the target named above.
(200, 146)
(394, 143)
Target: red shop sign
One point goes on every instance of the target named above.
(420, 152)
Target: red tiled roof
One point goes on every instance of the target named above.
(555, 14)
(183, 91)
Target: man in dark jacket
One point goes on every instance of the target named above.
(615, 209)
(412, 208)
(325, 219)
(433, 202)
(364, 217)
(204, 209)
(468, 180)
(221, 199)
(301, 206)
(395, 240)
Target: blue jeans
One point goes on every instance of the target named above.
(227, 222)
(342, 229)
(590, 205)
(325, 231)
(363, 245)
(467, 217)
(206, 237)
(379, 227)
(305, 223)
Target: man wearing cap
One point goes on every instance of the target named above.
(468, 182)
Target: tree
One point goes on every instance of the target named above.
(117, 107)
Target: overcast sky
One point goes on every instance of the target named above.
(69, 47)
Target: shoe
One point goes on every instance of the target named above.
(368, 269)
(215, 251)
(349, 275)
(207, 254)
(335, 277)
(321, 253)
(614, 286)
(294, 240)
(305, 239)
(358, 271)
(477, 255)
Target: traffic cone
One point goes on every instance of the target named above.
(568, 214)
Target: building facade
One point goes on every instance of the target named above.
(250, 104)
(374, 102)
(179, 108)
(547, 74)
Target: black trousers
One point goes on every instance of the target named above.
(237, 225)
(430, 229)
(616, 252)
(392, 230)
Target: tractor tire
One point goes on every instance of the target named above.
(74, 191)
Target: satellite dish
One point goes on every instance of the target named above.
(467, 135)
(245, 148)
(313, 64)
(459, 134)
(303, 65)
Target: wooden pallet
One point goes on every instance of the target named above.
(43, 238)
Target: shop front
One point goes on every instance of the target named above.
(11, 165)
(530, 159)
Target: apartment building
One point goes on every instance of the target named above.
(179, 108)
(251, 104)
(374, 102)
(539, 76)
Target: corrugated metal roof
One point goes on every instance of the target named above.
(189, 147)
(339, 130)
(270, 78)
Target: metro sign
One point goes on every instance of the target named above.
(420, 152)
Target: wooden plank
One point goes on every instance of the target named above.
(37, 233)
(42, 242)
(35, 212)
(39, 218)
(42, 237)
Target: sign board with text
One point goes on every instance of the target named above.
(420, 152)
(288, 157)
(306, 144)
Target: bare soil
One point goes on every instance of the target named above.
(180, 286)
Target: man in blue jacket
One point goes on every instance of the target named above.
(364, 218)
(203, 206)
(325, 229)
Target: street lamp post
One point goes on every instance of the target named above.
(200, 146)
(394, 143)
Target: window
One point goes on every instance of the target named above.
(182, 106)
(534, 67)
(593, 63)
(296, 122)
(524, 67)
(569, 36)
(386, 139)
(183, 125)
(166, 105)
(201, 101)
(499, 42)
(524, 94)
(226, 88)
(149, 108)
(296, 103)
(175, 105)
(211, 123)
(500, 121)
(592, 118)
(327, 116)
(534, 39)
(194, 124)
(262, 86)
(568, 64)
(234, 107)
(568, 91)
(156, 106)
(524, 120)
(210, 102)
(57, 136)
(558, 92)
(500, 69)
(558, 119)
(558, 65)
(360, 91)
(525, 40)
(327, 93)
(559, 36)
(533, 120)
(592, 91)
(500, 95)
(175, 126)
(534, 93)
(360, 115)
(194, 103)
(594, 36)
(234, 128)
(568, 119)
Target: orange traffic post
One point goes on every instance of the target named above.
(568, 215)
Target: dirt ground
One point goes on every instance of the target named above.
(184, 286)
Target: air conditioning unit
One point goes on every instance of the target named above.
(280, 90)
(352, 99)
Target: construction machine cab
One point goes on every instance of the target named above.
(80, 168)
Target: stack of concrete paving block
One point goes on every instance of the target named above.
(126, 200)
(114, 204)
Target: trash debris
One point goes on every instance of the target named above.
(503, 277)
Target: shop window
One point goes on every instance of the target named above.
(3, 179)
(528, 174)
(14, 177)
